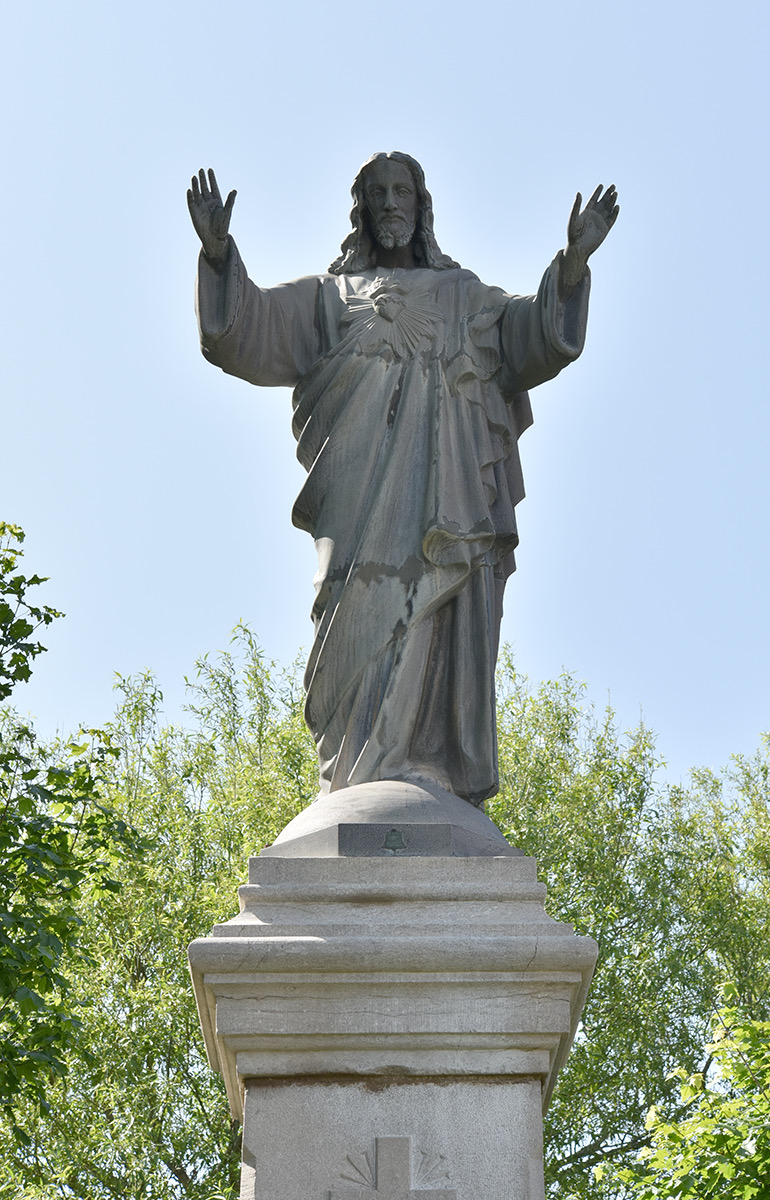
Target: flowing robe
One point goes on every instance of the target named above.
(410, 395)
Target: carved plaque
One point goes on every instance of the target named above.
(391, 1176)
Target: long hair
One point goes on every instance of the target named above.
(359, 249)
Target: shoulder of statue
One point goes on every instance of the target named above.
(307, 281)
(455, 275)
(477, 294)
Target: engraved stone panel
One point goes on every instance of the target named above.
(391, 1178)
(392, 1139)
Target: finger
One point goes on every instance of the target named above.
(229, 202)
(204, 185)
(612, 218)
(573, 225)
(195, 189)
(596, 195)
(190, 200)
(214, 188)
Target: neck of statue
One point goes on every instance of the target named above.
(399, 256)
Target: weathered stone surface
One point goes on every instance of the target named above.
(393, 1004)
(391, 1176)
(411, 382)
(363, 980)
(357, 1003)
(444, 1139)
(421, 820)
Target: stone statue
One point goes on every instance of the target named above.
(410, 382)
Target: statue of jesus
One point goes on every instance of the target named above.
(411, 381)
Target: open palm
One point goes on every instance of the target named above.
(588, 229)
(210, 216)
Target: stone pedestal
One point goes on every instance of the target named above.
(391, 1026)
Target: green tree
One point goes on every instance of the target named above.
(19, 620)
(140, 1113)
(673, 883)
(721, 1147)
(58, 845)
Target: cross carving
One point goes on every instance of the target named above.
(393, 1175)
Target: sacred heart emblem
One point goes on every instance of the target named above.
(387, 305)
(393, 315)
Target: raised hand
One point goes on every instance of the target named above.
(210, 216)
(588, 229)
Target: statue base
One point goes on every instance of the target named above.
(391, 1026)
(390, 819)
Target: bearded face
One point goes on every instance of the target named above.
(392, 204)
(393, 231)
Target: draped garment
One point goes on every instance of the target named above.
(410, 393)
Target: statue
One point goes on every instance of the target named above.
(411, 381)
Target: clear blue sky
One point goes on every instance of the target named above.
(156, 492)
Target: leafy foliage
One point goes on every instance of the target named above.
(721, 1147)
(140, 1112)
(19, 620)
(58, 845)
(673, 884)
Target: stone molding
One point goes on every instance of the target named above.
(381, 967)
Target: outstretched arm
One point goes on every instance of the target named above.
(210, 216)
(586, 231)
(541, 334)
(265, 336)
